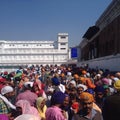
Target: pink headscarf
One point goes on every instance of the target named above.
(54, 113)
(3, 117)
(27, 108)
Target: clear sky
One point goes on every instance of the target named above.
(44, 19)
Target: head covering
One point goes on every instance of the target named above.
(99, 89)
(39, 101)
(88, 74)
(98, 75)
(117, 84)
(86, 96)
(58, 98)
(5, 72)
(106, 86)
(105, 81)
(26, 117)
(69, 73)
(59, 72)
(27, 84)
(38, 105)
(83, 86)
(91, 91)
(115, 78)
(6, 89)
(25, 105)
(3, 117)
(76, 76)
(55, 81)
(27, 108)
(73, 82)
(84, 72)
(2, 80)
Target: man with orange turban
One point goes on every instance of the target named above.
(87, 112)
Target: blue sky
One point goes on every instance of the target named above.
(44, 19)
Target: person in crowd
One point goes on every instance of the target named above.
(24, 107)
(80, 88)
(111, 107)
(87, 81)
(71, 84)
(69, 77)
(55, 112)
(86, 111)
(97, 80)
(117, 75)
(57, 85)
(49, 89)
(5, 104)
(99, 96)
(24, 78)
(72, 92)
(38, 88)
(75, 108)
(27, 94)
(41, 107)
(76, 78)
(67, 107)
(2, 82)
(63, 78)
(107, 91)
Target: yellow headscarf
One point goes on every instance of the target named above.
(38, 104)
(117, 85)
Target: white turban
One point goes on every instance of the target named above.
(69, 73)
(28, 83)
(83, 86)
(73, 82)
(6, 89)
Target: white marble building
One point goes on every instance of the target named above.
(14, 53)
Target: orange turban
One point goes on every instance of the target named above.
(84, 72)
(82, 79)
(76, 76)
(86, 96)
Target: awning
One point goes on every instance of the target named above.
(91, 32)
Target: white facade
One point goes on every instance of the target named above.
(34, 52)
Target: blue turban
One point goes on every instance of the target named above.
(55, 81)
(99, 89)
(58, 98)
(91, 91)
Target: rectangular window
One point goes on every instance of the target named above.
(63, 48)
(63, 37)
(63, 43)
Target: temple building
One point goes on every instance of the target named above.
(24, 52)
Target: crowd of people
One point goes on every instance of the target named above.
(62, 92)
